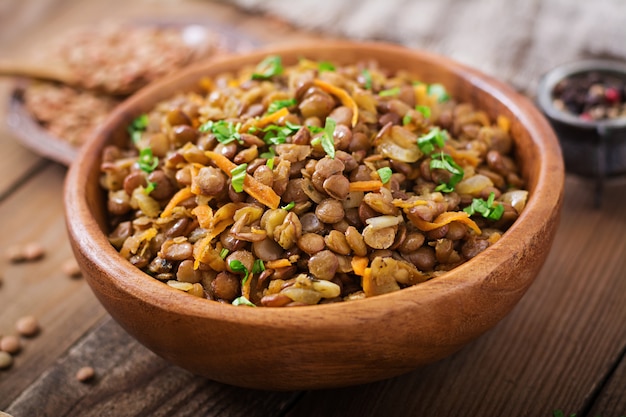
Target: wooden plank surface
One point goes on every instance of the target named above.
(132, 381)
(64, 307)
(562, 348)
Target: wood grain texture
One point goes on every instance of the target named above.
(64, 307)
(132, 381)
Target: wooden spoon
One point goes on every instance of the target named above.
(56, 71)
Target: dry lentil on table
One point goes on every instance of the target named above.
(289, 208)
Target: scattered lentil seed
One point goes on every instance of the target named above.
(6, 360)
(25, 253)
(86, 373)
(71, 269)
(33, 251)
(27, 326)
(10, 344)
(15, 254)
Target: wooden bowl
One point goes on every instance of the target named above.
(335, 344)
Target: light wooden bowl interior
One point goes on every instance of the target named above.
(336, 344)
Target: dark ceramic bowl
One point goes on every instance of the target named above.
(590, 148)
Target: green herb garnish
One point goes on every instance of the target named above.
(325, 66)
(270, 163)
(279, 104)
(385, 174)
(425, 110)
(224, 253)
(390, 92)
(406, 119)
(276, 135)
(488, 209)
(269, 154)
(258, 266)
(242, 301)
(326, 139)
(446, 162)
(238, 175)
(434, 138)
(289, 206)
(147, 161)
(225, 132)
(137, 126)
(150, 187)
(439, 91)
(269, 67)
(368, 79)
(238, 266)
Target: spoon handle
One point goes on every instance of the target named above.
(52, 72)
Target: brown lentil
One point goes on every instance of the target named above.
(85, 374)
(27, 326)
(70, 268)
(10, 344)
(6, 360)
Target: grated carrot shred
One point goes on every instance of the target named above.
(180, 196)
(261, 192)
(345, 98)
(204, 214)
(503, 123)
(463, 157)
(278, 263)
(268, 119)
(371, 185)
(407, 204)
(445, 218)
(359, 264)
(366, 282)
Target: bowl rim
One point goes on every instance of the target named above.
(536, 215)
(551, 78)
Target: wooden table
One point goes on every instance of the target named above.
(562, 349)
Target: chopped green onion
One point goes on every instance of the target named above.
(439, 91)
(289, 206)
(390, 92)
(326, 139)
(279, 104)
(238, 176)
(138, 125)
(269, 154)
(425, 110)
(368, 79)
(429, 141)
(270, 163)
(315, 129)
(269, 67)
(446, 162)
(224, 253)
(406, 119)
(328, 142)
(147, 161)
(238, 266)
(225, 132)
(242, 301)
(151, 186)
(258, 266)
(325, 66)
(276, 135)
(488, 209)
(385, 174)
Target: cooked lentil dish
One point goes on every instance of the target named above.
(310, 183)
